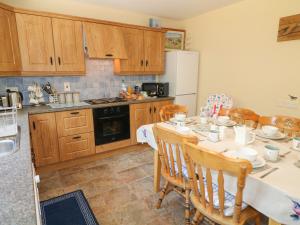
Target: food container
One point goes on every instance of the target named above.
(76, 97)
(69, 98)
(61, 98)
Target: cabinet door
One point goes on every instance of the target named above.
(154, 51)
(156, 106)
(139, 115)
(76, 146)
(9, 53)
(36, 42)
(134, 45)
(68, 45)
(104, 41)
(44, 138)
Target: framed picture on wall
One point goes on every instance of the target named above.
(175, 39)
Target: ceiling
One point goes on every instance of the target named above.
(173, 9)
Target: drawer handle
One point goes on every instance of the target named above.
(77, 137)
(74, 113)
(109, 55)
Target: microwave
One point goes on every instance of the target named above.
(156, 89)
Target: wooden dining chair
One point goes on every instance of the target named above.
(172, 164)
(168, 111)
(208, 194)
(244, 116)
(287, 124)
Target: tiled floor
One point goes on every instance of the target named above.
(119, 190)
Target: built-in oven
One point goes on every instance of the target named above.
(111, 124)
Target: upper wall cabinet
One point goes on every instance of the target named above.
(36, 43)
(104, 41)
(145, 50)
(68, 45)
(9, 53)
(50, 45)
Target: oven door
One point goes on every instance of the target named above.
(111, 128)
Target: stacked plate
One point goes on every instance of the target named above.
(225, 121)
(270, 132)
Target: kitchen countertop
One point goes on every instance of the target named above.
(17, 204)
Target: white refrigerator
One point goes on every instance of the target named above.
(182, 71)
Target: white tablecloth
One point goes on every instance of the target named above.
(276, 196)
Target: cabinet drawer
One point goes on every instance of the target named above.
(76, 146)
(74, 122)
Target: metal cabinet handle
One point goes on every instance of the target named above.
(51, 60)
(74, 113)
(59, 62)
(154, 109)
(109, 55)
(147, 63)
(77, 137)
(142, 62)
(150, 110)
(33, 124)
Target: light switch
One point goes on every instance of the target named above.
(67, 86)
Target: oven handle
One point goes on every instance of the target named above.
(112, 117)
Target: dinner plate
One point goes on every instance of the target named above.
(278, 135)
(230, 123)
(259, 162)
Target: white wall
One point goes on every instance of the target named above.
(240, 54)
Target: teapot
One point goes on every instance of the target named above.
(243, 135)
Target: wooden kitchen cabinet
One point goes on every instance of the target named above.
(68, 45)
(144, 113)
(44, 139)
(36, 43)
(10, 61)
(76, 146)
(74, 122)
(145, 49)
(50, 45)
(104, 41)
(154, 51)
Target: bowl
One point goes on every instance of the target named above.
(269, 130)
(248, 153)
(180, 117)
(223, 119)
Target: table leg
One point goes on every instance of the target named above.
(157, 166)
(273, 222)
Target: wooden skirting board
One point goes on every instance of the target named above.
(289, 28)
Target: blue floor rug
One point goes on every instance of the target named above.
(68, 209)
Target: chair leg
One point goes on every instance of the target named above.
(196, 219)
(162, 194)
(187, 207)
(257, 220)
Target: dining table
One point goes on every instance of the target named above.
(272, 189)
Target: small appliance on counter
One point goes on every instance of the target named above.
(156, 89)
(14, 99)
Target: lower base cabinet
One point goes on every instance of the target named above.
(76, 146)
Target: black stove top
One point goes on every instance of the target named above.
(105, 100)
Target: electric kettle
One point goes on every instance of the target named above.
(15, 99)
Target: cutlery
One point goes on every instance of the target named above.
(170, 123)
(268, 173)
(285, 154)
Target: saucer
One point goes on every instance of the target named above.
(229, 123)
(277, 136)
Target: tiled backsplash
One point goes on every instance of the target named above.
(99, 81)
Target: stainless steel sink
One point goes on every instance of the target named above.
(11, 144)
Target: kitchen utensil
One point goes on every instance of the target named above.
(277, 136)
(76, 97)
(15, 99)
(296, 143)
(268, 173)
(69, 97)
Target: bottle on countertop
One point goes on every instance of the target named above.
(123, 86)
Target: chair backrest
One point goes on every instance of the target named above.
(224, 112)
(287, 124)
(198, 159)
(169, 145)
(244, 116)
(168, 111)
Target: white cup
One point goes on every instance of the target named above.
(180, 117)
(222, 132)
(248, 153)
(271, 153)
(203, 120)
(213, 136)
(269, 130)
(296, 143)
(214, 127)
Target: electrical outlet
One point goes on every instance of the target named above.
(67, 86)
